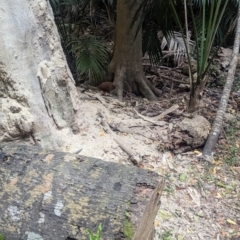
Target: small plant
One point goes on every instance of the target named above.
(166, 235)
(2, 237)
(205, 27)
(92, 58)
(236, 84)
(232, 155)
(128, 229)
(169, 189)
(96, 236)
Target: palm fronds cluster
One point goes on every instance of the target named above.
(78, 21)
(163, 25)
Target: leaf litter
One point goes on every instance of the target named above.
(201, 200)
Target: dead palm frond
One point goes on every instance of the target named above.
(175, 46)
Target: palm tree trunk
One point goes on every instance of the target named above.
(218, 122)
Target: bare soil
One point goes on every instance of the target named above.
(200, 200)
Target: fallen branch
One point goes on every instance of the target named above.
(128, 130)
(156, 71)
(164, 113)
(158, 123)
(134, 159)
(98, 97)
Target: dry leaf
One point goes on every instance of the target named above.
(219, 195)
(101, 134)
(216, 162)
(156, 223)
(231, 221)
(164, 214)
(197, 152)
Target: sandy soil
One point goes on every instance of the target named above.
(200, 201)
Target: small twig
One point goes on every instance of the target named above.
(158, 123)
(173, 80)
(78, 151)
(168, 78)
(236, 208)
(133, 156)
(164, 113)
(100, 98)
(129, 131)
(171, 90)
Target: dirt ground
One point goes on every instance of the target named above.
(200, 200)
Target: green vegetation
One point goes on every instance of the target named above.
(205, 27)
(233, 151)
(2, 237)
(91, 58)
(166, 235)
(128, 229)
(86, 29)
(169, 189)
(236, 84)
(79, 24)
(96, 236)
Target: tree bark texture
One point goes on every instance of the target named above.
(218, 122)
(48, 195)
(196, 93)
(126, 65)
(38, 97)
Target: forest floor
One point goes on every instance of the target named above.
(201, 200)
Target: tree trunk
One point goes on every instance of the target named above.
(126, 65)
(195, 99)
(52, 195)
(37, 92)
(196, 92)
(218, 122)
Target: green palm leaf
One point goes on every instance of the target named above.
(92, 58)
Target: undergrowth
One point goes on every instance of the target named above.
(96, 236)
(232, 156)
(166, 235)
(2, 237)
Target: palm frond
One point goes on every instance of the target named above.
(175, 46)
(151, 44)
(92, 58)
(155, 17)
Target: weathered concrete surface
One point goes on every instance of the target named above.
(57, 196)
